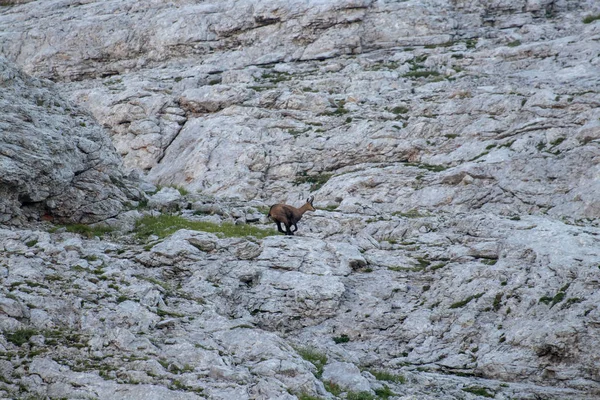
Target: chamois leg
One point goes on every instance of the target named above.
(295, 227)
(288, 230)
(279, 228)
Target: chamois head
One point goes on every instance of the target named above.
(289, 216)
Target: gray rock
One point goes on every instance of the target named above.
(347, 376)
(56, 160)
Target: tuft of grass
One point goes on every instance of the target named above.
(471, 43)
(479, 391)
(384, 393)
(428, 167)
(316, 181)
(558, 297)
(314, 357)
(591, 18)
(20, 336)
(514, 43)
(165, 225)
(304, 396)
(182, 191)
(466, 301)
(31, 243)
(421, 74)
(409, 214)
(333, 388)
(498, 301)
(387, 376)
(341, 339)
(399, 110)
(359, 396)
(88, 231)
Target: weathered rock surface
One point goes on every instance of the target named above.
(55, 159)
(453, 148)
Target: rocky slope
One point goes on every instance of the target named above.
(453, 149)
(55, 160)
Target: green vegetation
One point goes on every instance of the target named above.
(332, 388)
(384, 393)
(314, 357)
(557, 298)
(359, 396)
(31, 243)
(471, 43)
(87, 231)
(488, 261)
(276, 77)
(405, 269)
(591, 18)
(420, 74)
(466, 301)
(435, 45)
(479, 391)
(514, 43)
(165, 225)
(182, 191)
(429, 167)
(387, 376)
(316, 181)
(304, 396)
(20, 336)
(341, 339)
(399, 110)
(340, 110)
(498, 301)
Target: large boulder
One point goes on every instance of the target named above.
(55, 160)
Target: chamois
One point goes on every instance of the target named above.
(289, 216)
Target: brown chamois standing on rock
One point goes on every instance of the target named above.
(288, 215)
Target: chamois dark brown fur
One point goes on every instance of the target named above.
(289, 216)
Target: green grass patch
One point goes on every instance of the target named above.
(514, 43)
(165, 225)
(557, 298)
(182, 191)
(429, 167)
(316, 181)
(88, 231)
(466, 301)
(333, 388)
(341, 339)
(405, 269)
(387, 376)
(314, 357)
(498, 301)
(479, 391)
(359, 396)
(471, 43)
(340, 110)
(276, 77)
(20, 336)
(384, 393)
(304, 396)
(421, 74)
(399, 110)
(591, 18)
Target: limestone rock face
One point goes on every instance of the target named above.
(55, 159)
(453, 148)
